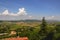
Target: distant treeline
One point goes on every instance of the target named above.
(20, 20)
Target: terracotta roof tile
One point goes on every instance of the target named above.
(18, 38)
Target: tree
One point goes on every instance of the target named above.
(43, 27)
(58, 38)
(4, 28)
(57, 35)
(50, 36)
(58, 28)
(43, 30)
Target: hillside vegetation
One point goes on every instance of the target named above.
(33, 29)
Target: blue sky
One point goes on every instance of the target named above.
(32, 7)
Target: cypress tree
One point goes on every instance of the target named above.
(43, 27)
(43, 32)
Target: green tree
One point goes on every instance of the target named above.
(4, 28)
(50, 36)
(58, 28)
(57, 34)
(43, 31)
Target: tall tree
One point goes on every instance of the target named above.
(43, 27)
(43, 30)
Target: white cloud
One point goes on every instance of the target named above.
(12, 14)
(20, 12)
(52, 17)
(30, 16)
(5, 12)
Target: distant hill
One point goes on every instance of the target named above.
(28, 20)
(20, 20)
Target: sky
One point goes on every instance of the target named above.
(29, 9)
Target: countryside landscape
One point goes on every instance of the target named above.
(32, 29)
(34, 20)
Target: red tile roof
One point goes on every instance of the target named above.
(18, 38)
